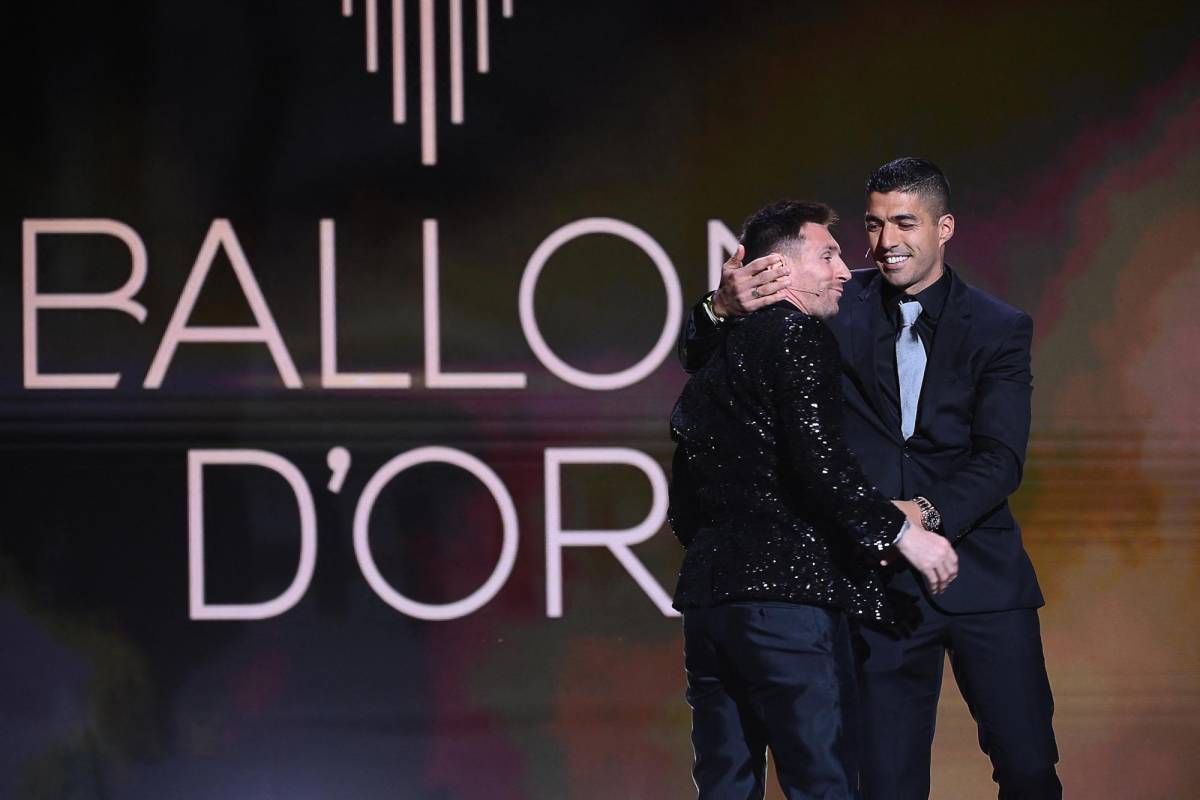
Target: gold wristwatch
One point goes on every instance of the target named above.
(931, 520)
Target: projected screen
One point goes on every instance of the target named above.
(340, 350)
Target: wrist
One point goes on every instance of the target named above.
(709, 305)
(716, 308)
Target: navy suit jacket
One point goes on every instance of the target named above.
(968, 451)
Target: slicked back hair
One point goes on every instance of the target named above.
(913, 176)
(779, 224)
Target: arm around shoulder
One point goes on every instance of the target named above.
(700, 337)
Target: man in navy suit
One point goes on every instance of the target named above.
(938, 407)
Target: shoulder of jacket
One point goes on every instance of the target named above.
(988, 305)
(859, 278)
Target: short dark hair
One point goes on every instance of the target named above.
(915, 176)
(780, 222)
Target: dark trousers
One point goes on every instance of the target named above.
(775, 675)
(998, 664)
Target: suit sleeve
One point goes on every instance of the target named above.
(807, 388)
(999, 436)
(699, 339)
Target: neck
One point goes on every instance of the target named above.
(939, 269)
(796, 299)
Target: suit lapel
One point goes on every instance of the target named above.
(862, 333)
(952, 330)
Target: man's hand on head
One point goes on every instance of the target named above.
(748, 287)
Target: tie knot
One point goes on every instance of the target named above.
(909, 312)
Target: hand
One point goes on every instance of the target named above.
(932, 556)
(747, 288)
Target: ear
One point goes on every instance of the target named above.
(945, 225)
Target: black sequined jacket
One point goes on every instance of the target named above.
(765, 495)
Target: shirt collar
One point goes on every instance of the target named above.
(932, 298)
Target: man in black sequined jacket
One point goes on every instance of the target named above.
(784, 534)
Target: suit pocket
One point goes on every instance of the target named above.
(1000, 517)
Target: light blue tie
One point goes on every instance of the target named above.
(910, 366)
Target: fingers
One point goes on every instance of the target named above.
(932, 556)
(763, 295)
(931, 579)
(735, 260)
(756, 273)
(944, 571)
(769, 261)
(743, 291)
(950, 564)
(937, 581)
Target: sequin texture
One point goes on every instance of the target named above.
(766, 497)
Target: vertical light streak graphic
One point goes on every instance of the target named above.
(481, 35)
(399, 76)
(428, 59)
(456, 62)
(372, 35)
(428, 96)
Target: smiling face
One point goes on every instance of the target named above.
(908, 240)
(818, 271)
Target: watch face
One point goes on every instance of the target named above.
(931, 520)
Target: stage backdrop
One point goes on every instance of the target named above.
(337, 361)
